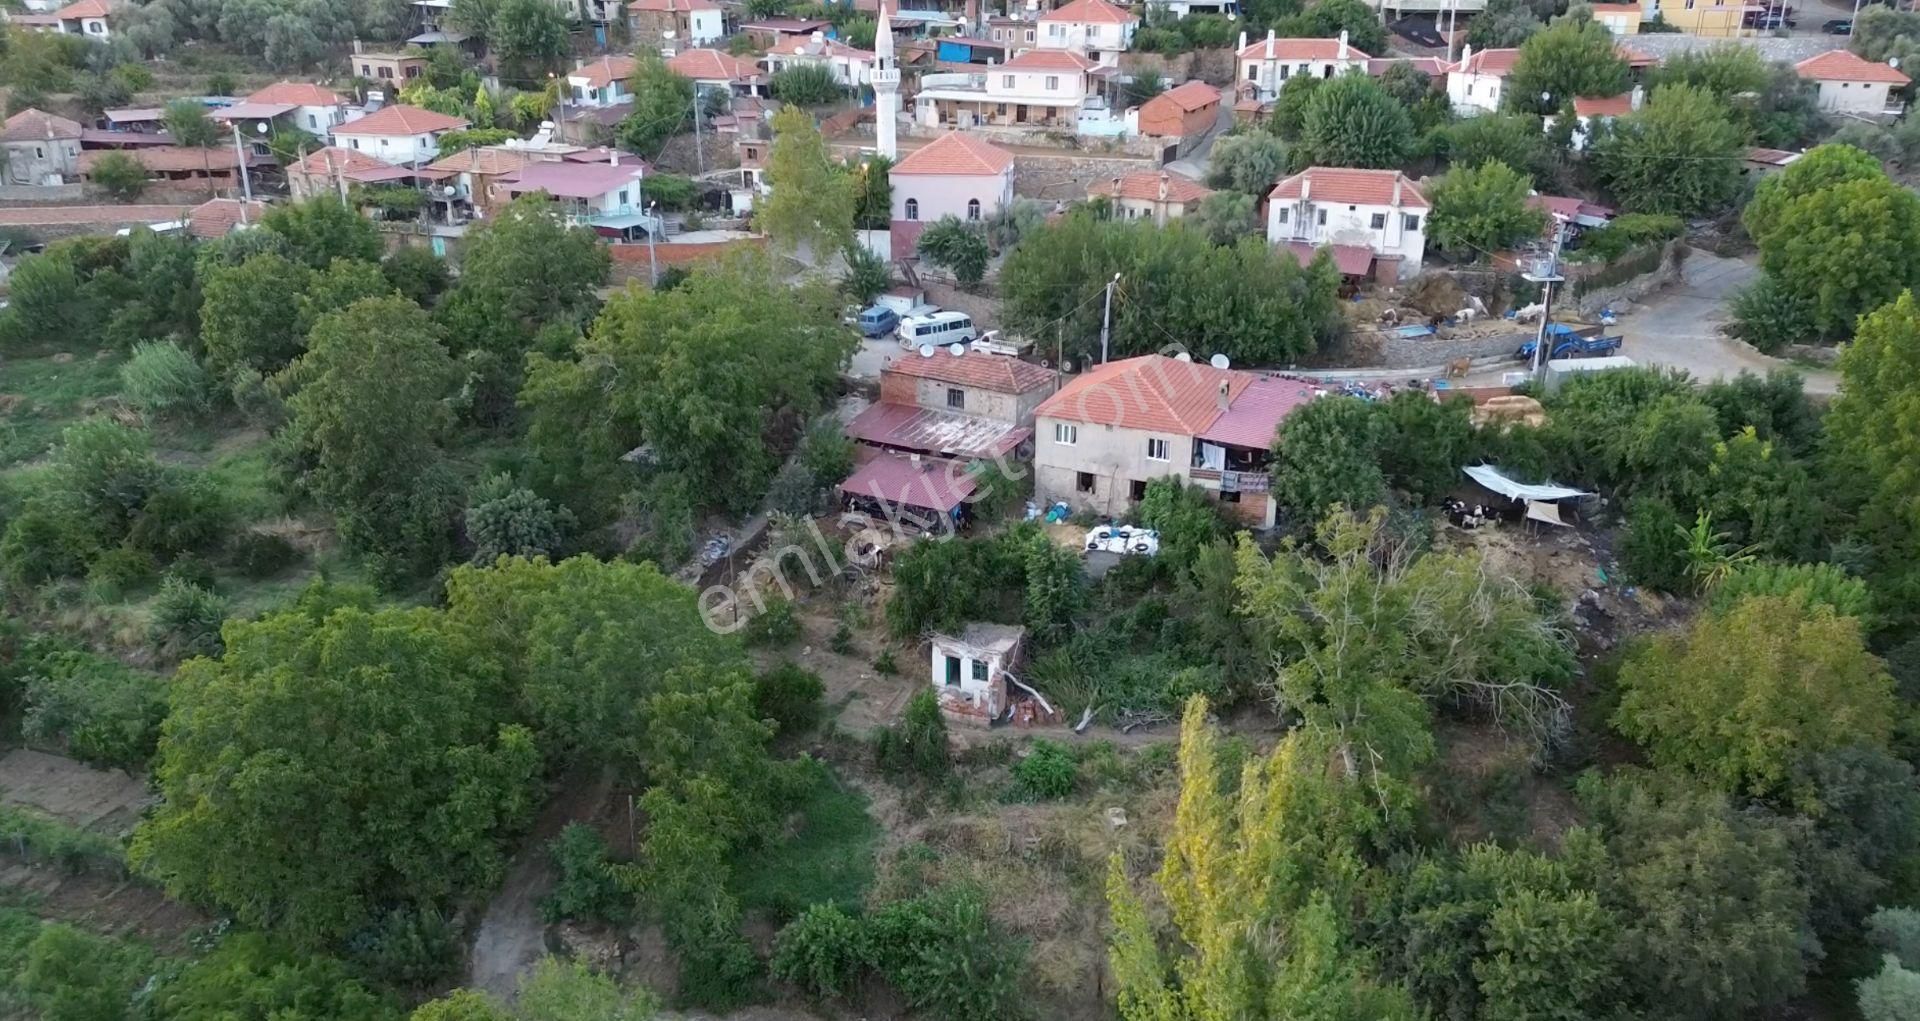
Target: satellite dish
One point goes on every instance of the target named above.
(956, 350)
(926, 350)
(1183, 357)
(1218, 361)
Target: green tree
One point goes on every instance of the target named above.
(528, 38)
(822, 951)
(416, 272)
(1352, 122)
(461, 1005)
(1891, 994)
(1289, 115)
(957, 246)
(529, 265)
(44, 301)
(1845, 249)
(1248, 164)
(1484, 208)
(322, 230)
(1725, 69)
(1874, 433)
(1677, 154)
(69, 975)
(251, 978)
(812, 201)
(1510, 138)
(369, 407)
(872, 193)
(805, 85)
(1570, 58)
(250, 319)
(121, 176)
(406, 790)
(1747, 694)
(868, 275)
(1504, 24)
(1326, 454)
(1226, 217)
(570, 991)
(186, 120)
(662, 105)
(1818, 169)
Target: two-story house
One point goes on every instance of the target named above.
(677, 23)
(938, 413)
(602, 83)
(1039, 88)
(1475, 84)
(85, 17)
(1852, 85)
(720, 71)
(955, 175)
(1156, 197)
(1092, 27)
(851, 66)
(382, 66)
(1721, 19)
(606, 196)
(1374, 220)
(311, 108)
(398, 134)
(1620, 19)
(1111, 430)
(1266, 65)
(1591, 112)
(40, 148)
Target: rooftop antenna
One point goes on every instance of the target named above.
(1184, 356)
(1218, 361)
(926, 350)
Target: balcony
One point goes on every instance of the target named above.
(953, 81)
(1231, 481)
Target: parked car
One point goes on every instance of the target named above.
(878, 321)
(1768, 21)
(1572, 345)
(1838, 26)
(938, 329)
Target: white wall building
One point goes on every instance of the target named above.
(84, 17)
(1039, 88)
(1851, 85)
(1268, 63)
(602, 83)
(851, 67)
(1475, 84)
(970, 670)
(954, 175)
(397, 134)
(1378, 210)
(1093, 27)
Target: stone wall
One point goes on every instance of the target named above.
(1066, 177)
(1066, 141)
(31, 194)
(1397, 352)
(1667, 275)
(1215, 67)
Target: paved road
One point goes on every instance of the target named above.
(1195, 164)
(1680, 327)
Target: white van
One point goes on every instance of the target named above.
(938, 329)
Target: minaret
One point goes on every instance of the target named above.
(886, 87)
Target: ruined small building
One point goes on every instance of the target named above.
(971, 671)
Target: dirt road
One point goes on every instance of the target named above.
(1680, 327)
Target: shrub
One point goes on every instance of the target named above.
(409, 947)
(516, 522)
(822, 951)
(76, 976)
(946, 957)
(1770, 317)
(258, 555)
(40, 545)
(161, 378)
(1809, 584)
(789, 695)
(98, 709)
(118, 571)
(1047, 772)
(121, 176)
(586, 888)
(181, 514)
(918, 743)
(186, 618)
(957, 246)
(884, 664)
(1651, 551)
(806, 85)
(40, 837)
(776, 625)
(1625, 233)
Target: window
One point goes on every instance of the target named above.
(1253, 72)
(386, 72)
(354, 142)
(1066, 435)
(979, 670)
(1281, 215)
(1136, 490)
(1083, 482)
(953, 671)
(412, 72)
(1379, 221)
(39, 153)
(913, 209)
(1285, 72)
(366, 70)
(1229, 496)
(623, 196)
(1056, 31)
(973, 209)
(1029, 35)
(1053, 82)
(1409, 222)
(312, 121)
(1006, 81)
(956, 397)
(1156, 449)
(1321, 218)
(1000, 109)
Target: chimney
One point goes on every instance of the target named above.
(1163, 187)
(1269, 44)
(1466, 55)
(360, 47)
(1396, 189)
(1243, 41)
(1223, 401)
(1637, 97)
(819, 38)
(616, 157)
(1116, 187)
(1343, 44)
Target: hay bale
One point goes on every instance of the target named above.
(1508, 411)
(1436, 294)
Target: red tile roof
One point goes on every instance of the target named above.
(928, 483)
(942, 433)
(1092, 12)
(614, 67)
(401, 119)
(1603, 106)
(804, 46)
(340, 159)
(713, 66)
(673, 6)
(1432, 67)
(487, 160)
(1300, 49)
(1846, 66)
(82, 9)
(169, 159)
(1152, 392)
(955, 153)
(999, 373)
(297, 94)
(216, 218)
(1350, 260)
(1144, 186)
(1497, 63)
(1356, 187)
(1050, 60)
(1255, 415)
(1187, 98)
(31, 125)
(1776, 157)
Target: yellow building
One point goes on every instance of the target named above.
(1620, 19)
(1719, 18)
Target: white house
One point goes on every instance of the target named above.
(1148, 195)
(851, 66)
(1268, 63)
(1039, 88)
(970, 671)
(720, 71)
(1851, 85)
(84, 17)
(311, 108)
(397, 134)
(1589, 111)
(592, 191)
(1093, 27)
(602, 83)
(953, 175)
(1377, 212)
(1475, 84)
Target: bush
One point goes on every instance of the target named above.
(76, 976)
(1897, 931)
(806, 85)
(97, 709)
(586, 889)
(1809, 584)
(186, 619)
(946, 957)
(822, 951)
(789, 695)
(181, 514)
(1625, 233)
(516, 523)
(408, 947)
(776, 625)
(1047, 772)
(1770, 317)
(40, 545)
(258, 555)
(161, 378)
(119, 571)
(918, 743)
(1652, 551)
(958, 247)
(42, 838)
(884, 665)
(121, 176)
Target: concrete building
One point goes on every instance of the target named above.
(472, 174)
(1374, 220)
(398, 134)
(383, 66)
(40, 148)
(1095, 28)
(330, 170)
(675, 24)
(953, 175)
(312, 108)
(598, 194)
(1475, 84)
(1041, 88)
(717, 69)
(1589, 111)
(1268, 63)
(1185, 112)
(602, 83)
(1852, 86)
(1114, 428)
(1620, 19)
(1147, 195)
(85, 17)
(1720, 19)
(851, 67)
(970, 671)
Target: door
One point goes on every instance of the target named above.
(440, 247)
(1020, 114)
(953, 671)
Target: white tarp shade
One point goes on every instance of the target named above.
(1545, 513)
(1490, 477)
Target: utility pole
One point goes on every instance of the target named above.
(699, 146)
(1106, 319)
(653, 257)
(240, 155)
(1546, 276)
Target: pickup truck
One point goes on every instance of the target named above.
(1569, 345)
